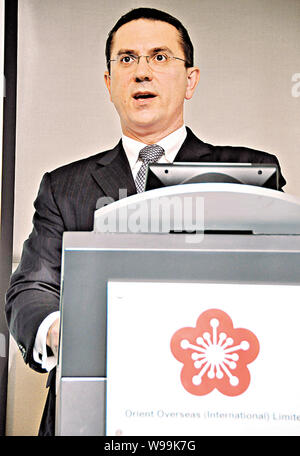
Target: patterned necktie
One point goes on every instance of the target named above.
(149, 154)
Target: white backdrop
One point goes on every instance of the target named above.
(248, 53)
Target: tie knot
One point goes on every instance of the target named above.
(151, 154)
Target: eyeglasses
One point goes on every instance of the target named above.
(156, 62)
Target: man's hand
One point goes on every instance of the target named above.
(53, 337)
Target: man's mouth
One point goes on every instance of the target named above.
(143, 95)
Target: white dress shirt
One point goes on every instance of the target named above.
(171, 145)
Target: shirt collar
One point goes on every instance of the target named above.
(171, 145)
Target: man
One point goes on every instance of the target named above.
(150, 75)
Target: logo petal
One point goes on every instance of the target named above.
(215, 355)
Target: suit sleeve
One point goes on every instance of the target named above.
(34, 289)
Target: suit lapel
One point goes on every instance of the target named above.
(193, 149)
(113, 173)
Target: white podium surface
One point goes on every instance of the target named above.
(187, 359)
(202, 207)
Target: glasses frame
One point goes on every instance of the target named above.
(137, 59)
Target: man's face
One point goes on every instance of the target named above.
(149, 102)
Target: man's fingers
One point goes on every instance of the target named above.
(53, 337)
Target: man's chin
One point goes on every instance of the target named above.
(146, 124)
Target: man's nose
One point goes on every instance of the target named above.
(142, 71)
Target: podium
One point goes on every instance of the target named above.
(232, 234)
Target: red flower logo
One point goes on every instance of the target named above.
(215, 355)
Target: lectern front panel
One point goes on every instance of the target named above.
(91, 260)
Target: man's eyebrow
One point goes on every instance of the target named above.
(126, 51)
(161, 49)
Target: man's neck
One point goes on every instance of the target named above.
(150, 137)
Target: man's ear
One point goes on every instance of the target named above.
(107, 82)
(193, 76)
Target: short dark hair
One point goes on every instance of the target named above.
(154, 15)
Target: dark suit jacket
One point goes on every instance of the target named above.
(66, 202)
